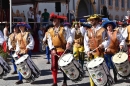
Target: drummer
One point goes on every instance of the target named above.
(126, 35)
(25, 43)
(12, 44)
(95, 39)
(45, 43)
(116, 41)
(59, 39)
(78, 36)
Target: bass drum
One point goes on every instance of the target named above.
(99, 72)
(71, 67)
(122, 64)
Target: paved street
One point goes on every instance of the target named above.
(46, 79)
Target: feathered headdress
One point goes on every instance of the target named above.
(52, 16)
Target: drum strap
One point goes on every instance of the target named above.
(63, 45)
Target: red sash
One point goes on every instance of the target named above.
(4, 46)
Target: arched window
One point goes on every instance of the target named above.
(128, 3)
(122, 4)
(102, 2)
(110, 2)
(116, 3)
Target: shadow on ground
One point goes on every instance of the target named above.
(47, 81)
(122, 81)
(45, 72)
(83, 84)
(38, 53)
(11, 78)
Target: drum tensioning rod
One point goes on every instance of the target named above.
(119, 55)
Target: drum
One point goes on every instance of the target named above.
(27, 67)
(122, 64)
(99, 72)
(71, 67)
(4, 67)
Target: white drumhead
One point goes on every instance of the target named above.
(22, 59)
(15, 55)
(95, 62)
(120, 57)
(65, 59)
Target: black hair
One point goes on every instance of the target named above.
(7, 25)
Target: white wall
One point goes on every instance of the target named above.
(22, 8)
(114, 12)
(49, 6)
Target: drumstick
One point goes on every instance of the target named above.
(94, 50)
(63, 52)
(61, 55)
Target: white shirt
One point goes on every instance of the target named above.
(1, 38)
(5, 36)
(30, 15)
(124, 32)
(86, 39)
(82, 30)
(38, 18)
(67, 36)
(30, 46)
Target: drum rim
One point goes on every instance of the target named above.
(18, 62)
(121, 63)
(115, 55)
(61, 59)
(97, 65)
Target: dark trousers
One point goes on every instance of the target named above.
(31, 24)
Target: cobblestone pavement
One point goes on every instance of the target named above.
(46, 78)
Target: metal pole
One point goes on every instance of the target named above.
(90, 7)
(74, 5)
(68, 11)
(10, 15)
(99, 3)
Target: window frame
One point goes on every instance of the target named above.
(110, 2)
(103, 2)
(128, 4)
(116, 3)
(122, 4)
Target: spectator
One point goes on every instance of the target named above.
(38, 19)
(31, 17)
(6, 32)
(40, 35)
(45, 17)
